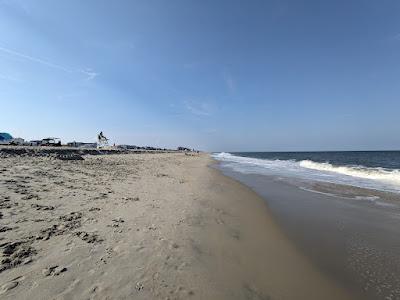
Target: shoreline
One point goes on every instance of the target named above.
(265, 254)
(348, 233)
(149, 226)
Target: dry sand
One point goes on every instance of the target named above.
(142, 226)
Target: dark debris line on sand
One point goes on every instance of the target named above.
(65, 153)
(58, 153)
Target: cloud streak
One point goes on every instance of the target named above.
(34, 59)
(90, 74)
(230, 83)
(202, 109)
(9, 77)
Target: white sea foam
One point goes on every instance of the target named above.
(390, 176)
(376, 178)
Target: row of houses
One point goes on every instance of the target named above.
(8, 139)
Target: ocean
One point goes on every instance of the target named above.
(379, 170)
(349, 233)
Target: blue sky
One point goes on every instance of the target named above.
(215, 75)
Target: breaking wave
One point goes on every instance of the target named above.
(392, 176)
(361, 176)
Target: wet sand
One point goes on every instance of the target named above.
(148, 226)
(350, 234)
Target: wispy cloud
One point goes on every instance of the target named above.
(34, 59)
(199, 108)
(90, 74)
(230, 83)
(9, 77)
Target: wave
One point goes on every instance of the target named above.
(361, 176)
(391, 176)
(255, 162)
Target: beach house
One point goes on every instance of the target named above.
(7, 139)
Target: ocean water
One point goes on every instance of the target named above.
(379, 170)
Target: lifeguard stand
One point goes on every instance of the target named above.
(102, 141)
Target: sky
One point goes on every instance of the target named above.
(221, 75)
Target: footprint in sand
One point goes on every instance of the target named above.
(94, 209)
(127, 199)
(54, 271)
(116, 222)
(139, 286)
(42, 207)
(90, 238)
(5, 228)
(10, 285)
(30, 197)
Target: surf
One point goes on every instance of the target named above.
(390, 176)
(356, 175)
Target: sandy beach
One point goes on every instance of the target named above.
(216, 150)
(143, 226)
